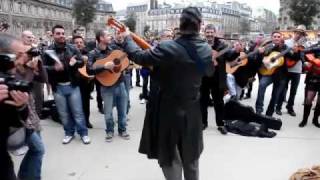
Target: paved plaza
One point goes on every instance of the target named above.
(230, 157)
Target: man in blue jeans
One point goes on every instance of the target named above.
(294, 72)
(276, 78)
(115, 95)
(62, 67)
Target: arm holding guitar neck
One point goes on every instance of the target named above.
(142, 57)
(93, 70)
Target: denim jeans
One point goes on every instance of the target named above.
(295, 80)
(127, 83)
(30, 168)
(115, 95)
(69, 106)
(233, 87)
(264, 82)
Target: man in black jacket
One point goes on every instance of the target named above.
(62, 73)
(213, 85)
(181, 64)
(12, 111)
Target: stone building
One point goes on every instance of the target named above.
(40, 16)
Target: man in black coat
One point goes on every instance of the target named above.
(214, 85)
(179, 127)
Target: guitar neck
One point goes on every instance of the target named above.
(141, 42)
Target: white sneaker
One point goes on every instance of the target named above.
(21, 151)
(142, 101)
(67, 139)
(85, 139)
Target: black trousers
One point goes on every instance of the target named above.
(209, 88)
(137, 76)
(99, 98)
(6, 165)
(145, 92)
(86, 88)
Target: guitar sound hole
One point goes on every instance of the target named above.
(116, 61)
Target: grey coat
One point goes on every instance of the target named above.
(179, 117)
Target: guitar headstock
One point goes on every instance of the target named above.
(112, 22)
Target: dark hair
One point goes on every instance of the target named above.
(190, 20)
(210, 26)
(77, 37)
(56, 27)
(274, 32)
(100, 33)
(6, 42)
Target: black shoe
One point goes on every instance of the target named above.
(316, 123)
(101, 110)
(292, 113)
(210, 103)
(138, 85)
(222, 130)
(89, 125)
(278, 112)
(247, 97)
(303, 124)
(267, 134)
(204, 126)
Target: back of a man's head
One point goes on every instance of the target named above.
(190, 21)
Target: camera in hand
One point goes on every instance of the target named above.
(34, 52)
(6, 64)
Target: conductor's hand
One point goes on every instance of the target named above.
(125, 33)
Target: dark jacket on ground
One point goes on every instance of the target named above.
(179, 116)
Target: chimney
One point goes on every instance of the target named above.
(153, 4)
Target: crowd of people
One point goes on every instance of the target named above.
(183, 74)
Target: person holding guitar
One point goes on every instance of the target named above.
(272, 71)
(86, 84)
(214, 85)
(294, 69)
(114, 94)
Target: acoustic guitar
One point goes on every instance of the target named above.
(122, 28)
(233, 66)
(110, 77)
(272, 62)
(299, 46)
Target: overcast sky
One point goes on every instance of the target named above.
(272, 5)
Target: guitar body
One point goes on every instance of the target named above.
(83, 69)
(269, 66)
(232, 67)
(121, 61)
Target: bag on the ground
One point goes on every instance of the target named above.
(307, 174)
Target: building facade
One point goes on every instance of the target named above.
(40, 16)
(266, 19)
(286, 23)
(168, 16)
(140, 11)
